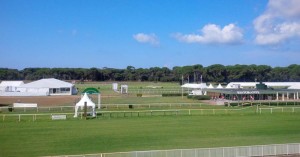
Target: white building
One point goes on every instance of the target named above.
(43, 87)
(286, 85)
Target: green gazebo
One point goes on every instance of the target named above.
(94, 91)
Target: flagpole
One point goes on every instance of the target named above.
(181, 87)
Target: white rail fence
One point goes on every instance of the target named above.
(279, 109)
(241, 151)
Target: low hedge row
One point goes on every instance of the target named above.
(173, 94)
(199, 97)
(139, 95)
(264, 103)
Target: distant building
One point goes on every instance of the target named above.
(257, 91)
(249, 90)
(43, 87)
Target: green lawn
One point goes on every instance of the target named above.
(76, 136)
(146, 88)
(207, 128)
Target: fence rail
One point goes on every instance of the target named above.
(279, 109)
(153, 112)
(240, 151)
(103, 106)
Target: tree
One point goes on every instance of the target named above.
(294, 72)
(279, 74)
(216, 73)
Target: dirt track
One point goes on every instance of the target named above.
(42, 100)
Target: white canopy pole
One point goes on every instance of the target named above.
(99, 100)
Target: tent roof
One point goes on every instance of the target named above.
(47, 83)
(219, 86)
(11, 83)
(86, 99)
(210, 86)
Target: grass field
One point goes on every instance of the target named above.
(76, 136)
(195, 125)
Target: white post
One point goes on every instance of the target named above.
(297, 95)
(287, 95)
(260, 110)
(99, 101)
(277, 96)
(181, 153)
(223, 152)
(294, 96)
(250, 151)
(282, 96)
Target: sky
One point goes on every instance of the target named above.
(148, 33)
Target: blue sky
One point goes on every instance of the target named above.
(144, 33)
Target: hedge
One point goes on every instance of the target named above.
(199, 97)
(173, 94)
(264, 103)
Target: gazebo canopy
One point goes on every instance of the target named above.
(91, 91)
(81, 103)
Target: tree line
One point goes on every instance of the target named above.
(194, 73)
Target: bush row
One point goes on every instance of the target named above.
(173, 94)
(265, 103)
(199, 97)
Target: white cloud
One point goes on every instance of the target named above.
(146, 38)
(214, 34)
(279, 23)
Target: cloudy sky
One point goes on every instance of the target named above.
(148, 33)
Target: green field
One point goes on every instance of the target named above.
(78, 136)
(154, 123)
(147, 88)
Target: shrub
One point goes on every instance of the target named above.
(139, 95)
(10, 108)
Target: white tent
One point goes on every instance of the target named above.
(194, 85)
(49, 86)
(81, 103)
(219, 86)
(10, 86)
(210, 86)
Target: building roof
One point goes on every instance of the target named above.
(251, 91)
(47, 83)
(290, 85)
